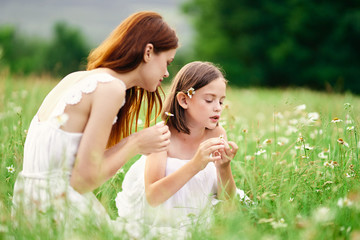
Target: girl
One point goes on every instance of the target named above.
(181, 182)
(81, 134)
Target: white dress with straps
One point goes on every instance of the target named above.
(190, 202)
(43, 185)
(190, 206)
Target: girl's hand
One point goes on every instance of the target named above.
(226, 154)
(152, 139)
(205, 152)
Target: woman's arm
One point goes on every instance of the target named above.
(88, 172)
(159, 188)
(94, 164)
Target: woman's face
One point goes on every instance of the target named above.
(155, 69)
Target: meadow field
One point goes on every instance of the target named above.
(298, 161)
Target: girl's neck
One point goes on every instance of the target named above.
(184, 146)
(196, 135)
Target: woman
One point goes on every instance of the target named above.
(81, 134)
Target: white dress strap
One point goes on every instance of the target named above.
(74, 95)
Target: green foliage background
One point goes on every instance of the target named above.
(280, 43)
(283, 43)
(64, 53)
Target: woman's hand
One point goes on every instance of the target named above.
(206, 152)
(226, 154)
(152, 139)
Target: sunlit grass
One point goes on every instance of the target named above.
(303, 179)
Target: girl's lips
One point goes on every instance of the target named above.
(215, 118)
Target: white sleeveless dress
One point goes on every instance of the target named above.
(179, 210)
(43, 185)
(188, 207)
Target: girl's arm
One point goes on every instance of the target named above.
(159, 188)
(226, 183)
(94, 164)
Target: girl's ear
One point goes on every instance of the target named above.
(149, 50)
(182, 100)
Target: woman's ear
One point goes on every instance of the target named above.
(182, 100)
(149, 50)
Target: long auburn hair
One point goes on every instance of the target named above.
(123, 52)
(193, 75)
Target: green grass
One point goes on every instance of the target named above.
(296, 190)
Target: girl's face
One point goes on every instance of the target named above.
(205, 106)
(155, 70)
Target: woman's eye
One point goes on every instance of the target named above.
(221, 103)
(208, 101)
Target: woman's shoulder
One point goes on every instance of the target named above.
(102, 84)
(113, 91)
(89, 81)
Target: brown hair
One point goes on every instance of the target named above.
(193, 75)
(122, 52)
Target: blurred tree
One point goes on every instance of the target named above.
(280, 43)
(19, 54)
(67, 52)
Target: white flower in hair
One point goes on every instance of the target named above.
(190, 92)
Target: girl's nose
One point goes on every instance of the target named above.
(218, 107)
